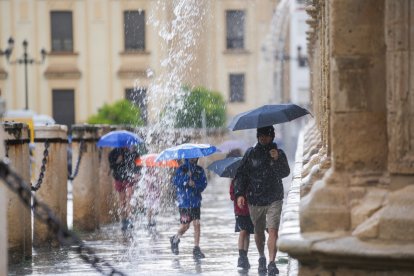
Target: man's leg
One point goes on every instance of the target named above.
(271, 244)
(258, 216)
(272, 224)
(259, 238)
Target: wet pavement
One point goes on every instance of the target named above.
(143, 251)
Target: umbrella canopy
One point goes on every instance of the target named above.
(267, 115)
(186, 151)
(148, 160)
(119, 138)
(229, 145)
(226, 167)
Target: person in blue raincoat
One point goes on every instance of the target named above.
(190, 181)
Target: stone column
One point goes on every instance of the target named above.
(358, 219)
(53, 186)
(18, 215)
(357, 124)
(86, 182)
(395, 221)
(3, 204)
(107, 194)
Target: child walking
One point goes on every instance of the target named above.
(190, 181)
(244, 226)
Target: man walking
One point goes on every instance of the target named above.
(260, 178)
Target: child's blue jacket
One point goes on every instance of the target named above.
(187, 196)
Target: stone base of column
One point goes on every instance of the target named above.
(364, 226)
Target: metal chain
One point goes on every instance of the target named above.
(7, 150)
(81, 150)
(42, 168)
(45, 215)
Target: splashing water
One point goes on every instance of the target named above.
(180, 36)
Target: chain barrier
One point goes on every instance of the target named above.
(42, 212)
(42, 168)
(82, 146)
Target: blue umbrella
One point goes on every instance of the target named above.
(267, 115)
(186, 151)
(119, 138)
(226, 167)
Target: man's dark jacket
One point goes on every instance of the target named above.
(124, 170)
(261, 176)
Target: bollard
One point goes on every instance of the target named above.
(107, 195)
(85, 184)
(16, 136)
(52, 187)
(3, 205)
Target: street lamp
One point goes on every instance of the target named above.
(9, 49)
(25, 60)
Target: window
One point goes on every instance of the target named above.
(64, 106)
(134, 30)
(62, 31)
(235, 29)
(138, 96)
(236, 87)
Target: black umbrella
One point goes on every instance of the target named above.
(267, 115)
(226, 167)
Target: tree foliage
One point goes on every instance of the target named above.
(118, 113)
(197, 100)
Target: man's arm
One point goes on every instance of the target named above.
(282, 165)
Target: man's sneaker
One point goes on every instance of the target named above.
(243, 262)
(272, 269)
(262, 265)
(197, 254)
(174, 245)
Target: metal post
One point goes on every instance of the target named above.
(25, 61)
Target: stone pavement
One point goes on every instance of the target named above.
(147, 252)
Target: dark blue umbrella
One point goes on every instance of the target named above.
(186, 151)
(119, 138)
(267, 115)
(226, 167)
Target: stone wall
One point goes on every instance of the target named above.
(357, 175)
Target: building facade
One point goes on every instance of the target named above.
(102, 51)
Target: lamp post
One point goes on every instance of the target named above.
(25, 60)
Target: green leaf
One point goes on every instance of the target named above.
(197, 100)
(121, 112)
